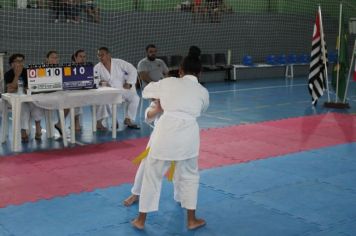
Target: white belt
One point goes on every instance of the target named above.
(179, 115)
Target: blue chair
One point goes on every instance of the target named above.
(271, 59)
(304, 58)
(247, 60)
(282, 59)
(332, 57)
(292, 59)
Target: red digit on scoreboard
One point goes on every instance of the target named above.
(32, 73)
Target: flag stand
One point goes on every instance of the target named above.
(336, 104)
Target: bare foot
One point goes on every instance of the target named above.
(138, 224)
(195, 224)
(131, 200)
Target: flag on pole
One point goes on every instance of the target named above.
(339, 74)
(318, 60)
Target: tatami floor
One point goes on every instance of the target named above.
(261, 186)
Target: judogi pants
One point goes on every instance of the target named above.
(186, 183)
(136, 188)
(30, 110)
(133, 100)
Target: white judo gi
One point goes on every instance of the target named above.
(28, 111)
(136, 188)
(174, 138)
(121, 72)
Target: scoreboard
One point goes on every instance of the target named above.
(78, 77)
(47, 78)
(44, 78)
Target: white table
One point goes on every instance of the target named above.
(59, 100)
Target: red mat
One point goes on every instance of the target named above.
(43, 175)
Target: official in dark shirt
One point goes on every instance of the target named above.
(28, 110)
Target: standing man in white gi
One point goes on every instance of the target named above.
(119, 74)
(151, 68)
(175, 138)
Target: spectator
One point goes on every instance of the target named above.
(12, 77)
(21, 4)
(185, 6)
(73, 10)
(119, 74)
(214, 10)
(92, 10)
(60, 7)
(198, 11)
(151, 68)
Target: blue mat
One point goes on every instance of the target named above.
(308, 193)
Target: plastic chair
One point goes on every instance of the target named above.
(220, 61)
(174, 66)
(164, 59)
(282, 59)
(247, 60)
(332, 57)
(292, 59)
(175, 62)
(304, 58)
(271, 59)
(207, 62)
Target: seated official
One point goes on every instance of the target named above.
(29, 110)
(119, 74)
(151, 68)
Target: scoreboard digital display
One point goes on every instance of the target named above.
(78, 77)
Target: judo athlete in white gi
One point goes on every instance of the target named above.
(119, 74)
(175, 138)
(152, 114)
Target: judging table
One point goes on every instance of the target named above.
(60, 100)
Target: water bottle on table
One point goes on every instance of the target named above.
(20, 86)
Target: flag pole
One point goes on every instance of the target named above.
(350, 69)
(323, 52)
(338, 56)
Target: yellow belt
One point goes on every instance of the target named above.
(144, 154)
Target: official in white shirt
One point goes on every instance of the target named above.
(175, 138)
(119, 74)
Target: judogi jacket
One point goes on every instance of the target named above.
(121, 72)
(176, 134)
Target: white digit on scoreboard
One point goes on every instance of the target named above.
(81, 70)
